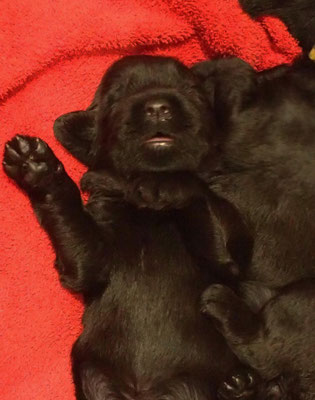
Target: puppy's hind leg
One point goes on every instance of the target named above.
(97, 386)
(241, 328)
(92, 383)
(186, 389)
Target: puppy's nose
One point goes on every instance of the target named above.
(158, 110)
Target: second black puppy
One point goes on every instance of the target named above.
(298, 15)
(141, 251)
(268, 146)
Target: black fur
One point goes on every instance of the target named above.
(268, 165)
(298, 15)
(151, 237)
(268, 173)
(278, 341)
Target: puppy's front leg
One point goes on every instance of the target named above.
(57, 203)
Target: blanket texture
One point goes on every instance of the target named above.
(53, 54)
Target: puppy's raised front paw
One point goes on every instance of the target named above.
(241, 384)
(30, 162)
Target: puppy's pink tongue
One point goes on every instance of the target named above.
(159, 139)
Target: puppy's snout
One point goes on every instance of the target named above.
(158, 110)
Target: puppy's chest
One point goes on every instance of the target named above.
(143, 240)
(153, 244)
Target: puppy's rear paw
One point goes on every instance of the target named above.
(216, 297)
(241, 384)
(30, 162)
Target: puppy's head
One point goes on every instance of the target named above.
(148, 114)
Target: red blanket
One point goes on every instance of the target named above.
(53, 54)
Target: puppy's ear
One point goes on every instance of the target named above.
(229, 84)
(76, 132)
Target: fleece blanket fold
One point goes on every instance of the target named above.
(53, 54)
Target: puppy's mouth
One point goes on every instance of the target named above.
(159, 140)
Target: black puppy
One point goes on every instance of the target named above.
(298, 15)
(145, 246)
(267, 126)
(279, 342)
(267, 122)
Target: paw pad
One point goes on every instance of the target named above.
(30, 162)
(240, 385)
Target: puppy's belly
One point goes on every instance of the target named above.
(148, 324)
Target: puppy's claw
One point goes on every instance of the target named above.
(227, 387)
(41, 147)
(23, 144)
(12, 154)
